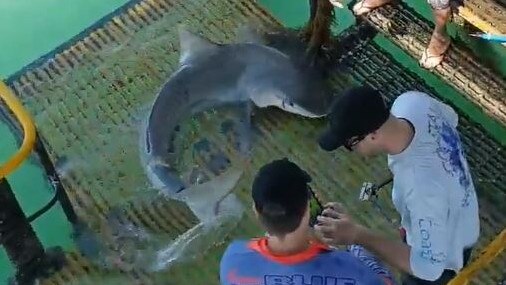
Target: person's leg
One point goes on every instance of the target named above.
(467, 255)
(440, 41)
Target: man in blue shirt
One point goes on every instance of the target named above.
(289, 254)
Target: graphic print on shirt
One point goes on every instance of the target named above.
(296, 279)
(450, 151)
(426, 229)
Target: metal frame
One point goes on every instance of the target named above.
(17, 236)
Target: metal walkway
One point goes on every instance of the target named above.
(486, 15)
(460, 69)
(87, 102)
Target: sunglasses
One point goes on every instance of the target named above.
(349, 144)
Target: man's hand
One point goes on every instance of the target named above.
(335, 227)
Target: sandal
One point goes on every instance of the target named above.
(430, 61)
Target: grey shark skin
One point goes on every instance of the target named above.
(213, 74)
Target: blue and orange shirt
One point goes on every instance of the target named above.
(251, 263)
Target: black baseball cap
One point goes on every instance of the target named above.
(358, 112)
(281, 188)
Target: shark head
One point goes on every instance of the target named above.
(307, 108)
(303, 95)
(313, 104)
(288, 81)
(272, 76)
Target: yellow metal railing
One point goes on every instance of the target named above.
(476, 21)
(28, 129)
(492, 250)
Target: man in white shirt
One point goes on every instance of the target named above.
(433, 190)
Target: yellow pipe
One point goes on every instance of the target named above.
(476, 21)
(492, 250)
(28, 129)
(484, 26)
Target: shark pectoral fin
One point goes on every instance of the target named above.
(206, 199)
(192, 45)
(215, 189)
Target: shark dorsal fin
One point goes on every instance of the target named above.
(247, 33)
(192, 45)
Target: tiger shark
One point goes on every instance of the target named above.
(212, 74)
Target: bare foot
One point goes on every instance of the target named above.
(435, 52)
(366, 6)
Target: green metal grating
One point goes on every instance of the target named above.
(88, 100)
(460, 69)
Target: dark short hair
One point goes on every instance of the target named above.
(280, 194)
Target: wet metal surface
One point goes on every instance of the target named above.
(88, 103)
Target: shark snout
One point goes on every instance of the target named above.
(299, 110)
(312, 106)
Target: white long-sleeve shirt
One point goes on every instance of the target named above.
(433, 189)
